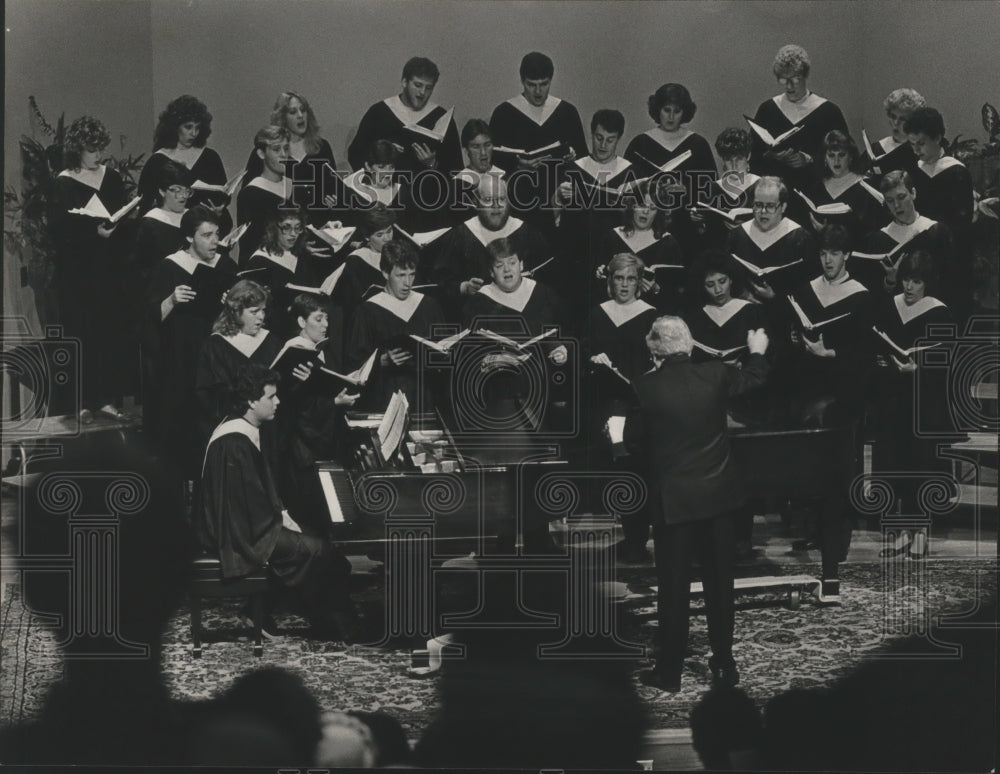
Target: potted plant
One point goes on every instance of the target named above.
(982, 159)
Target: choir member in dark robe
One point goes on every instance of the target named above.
(532, 120)
(773, 241)
(899, 446)
(477, 141)
(908, 228)
(795, 159)
(614, 339)
(243, 520)
(644, 233)
(678, 431)
(313, 415)
(182, 132)
(363, 267)
(588, 203)
(183, 298)
(390, 119)
(384, 323)
(893, 152)
(841, 186)
(90, 270)
(463, 261)
(314, 164)
(238, 337)
(283, 261)
(944, 191)
(159, 232)
(730, 193)
(671, 107)
(267, 192)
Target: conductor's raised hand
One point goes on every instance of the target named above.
(471, 286)
(182, 294)
(757, 341)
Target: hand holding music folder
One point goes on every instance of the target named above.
(444, 345)
(333, 233)
(357, 378)
(292, 356)
(735, 216)
(764, 273)
(769, 139)
(833, 209)
(906, 354)
(434, 134)
(722, 354)
(94, 208)
(228, 188)
(557, 149)
(507, 342)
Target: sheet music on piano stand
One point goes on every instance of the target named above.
(390, 432)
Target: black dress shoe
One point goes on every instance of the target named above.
(724, 673)
(657, 679)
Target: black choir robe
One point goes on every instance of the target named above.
(384, 322)
(654, 148)
(171, 349)
(944, 194)
(91, 285)
(385, 120)
(783, 244)
(464, 256)
(279, 271)
(652, 250)
(619, 331)
(898, 446)
(923, 234)
(310, 175)
(730, 191)
(257, 201)
(218, 363)
(206, 167)
(723, 327)
(867, 213)
(158, 235)
(815, 114)
(355, 194)
(361, 271)
(891, 156)
(464, 187)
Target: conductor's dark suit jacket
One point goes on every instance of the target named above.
(679, 432)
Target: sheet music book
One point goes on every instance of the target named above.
(510, 342)
(736, 215)
(358, 378)
(228, 188)
(769, 138)
(651, 270)
(760, 273)
(95, 208)
(234, 236)
(423, 238)
(616, 429)
(292, 356)
(724, 354)
(390, 432)
(435, 133)
(808, 324)
(557, 149)
(884, 258)
(444, 345)
(907, 354)
(835, 208)
(671, 165)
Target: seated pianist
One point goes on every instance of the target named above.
(243, 520)
(384, 323)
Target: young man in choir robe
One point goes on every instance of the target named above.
(266, 192)
(795, 160)
(460, 268)
(477, 141)
(384, 323)
(532, 120)
(944, 190)
(908, 228)
(772, 240)
(244, 521)
(388, 119)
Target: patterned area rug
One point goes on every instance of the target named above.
(777, 648)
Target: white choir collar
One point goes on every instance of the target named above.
(904, 233)
(241, 426)
(638, 240)
(87, 180)
(369, 192)
(733, 186)
(907, 313)
(765, 239)
(831, 292)
(279, 189)
(668, 141)
(720, 315)
(403, 309)
(943, 163)
(485, 236)
(620, 314)
(603, 172)
(537, 114)
(836, 186)
(286, 260)
(796, 111)
(245, 344)
(165, 216)
(189, 263)
(516, 300)
(888, 144)
(405, 113)
(369, 256)
(469, 175)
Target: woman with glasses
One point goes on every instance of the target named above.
(159, 232)
(796, 107)
(89, 258)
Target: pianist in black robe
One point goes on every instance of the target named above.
(267, 192)
(773, 241)
(184, 296)
(388, 119)
(181, 135)
(614, 342)
(535, 119)
(313, 158)
(462, 264)
(944, 193)
(795, 159)
(384, 323)
(243, 520)
(909, 230)
(905, 319)
(238, 337)
(282, 261)
(90, 277)
(893, 152)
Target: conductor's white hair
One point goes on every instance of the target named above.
(669, 335)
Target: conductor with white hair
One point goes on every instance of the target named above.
(678, 430)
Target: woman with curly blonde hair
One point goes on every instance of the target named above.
(894, 152)
(89, 258)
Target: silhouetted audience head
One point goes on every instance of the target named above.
(391, 745)
(725, 729)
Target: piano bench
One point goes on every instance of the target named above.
(207, 582)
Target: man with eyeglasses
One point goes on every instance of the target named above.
(268, 191)
(796, 106)
(772, 241)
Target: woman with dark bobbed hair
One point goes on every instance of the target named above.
(670, 108)
(181, 132)
(906, 319)
(89, 262)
